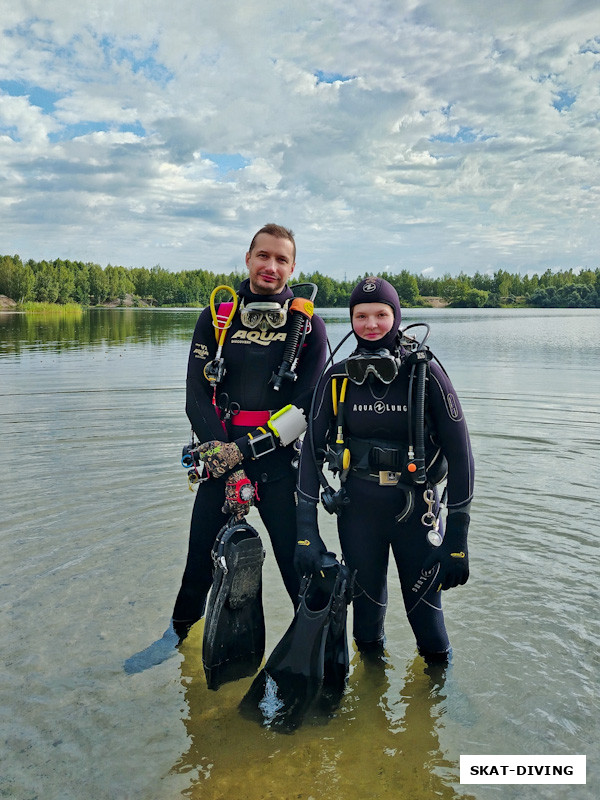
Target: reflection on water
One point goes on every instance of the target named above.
(92, 327)
(327, 759)
(94, 525)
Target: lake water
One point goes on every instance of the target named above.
(94, 526)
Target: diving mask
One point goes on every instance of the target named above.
(380, 363)
(263, 315)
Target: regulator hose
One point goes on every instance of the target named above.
(302, 310)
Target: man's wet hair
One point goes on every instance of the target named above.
(275, 230)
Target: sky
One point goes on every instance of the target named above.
(436, 136)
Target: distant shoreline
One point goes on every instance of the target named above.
(129, 301)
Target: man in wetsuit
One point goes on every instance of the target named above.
(386, 503)
(226, 418)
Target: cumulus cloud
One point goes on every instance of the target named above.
(433, 137)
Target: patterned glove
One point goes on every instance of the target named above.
(239, 494)
(220, 457)
(310, 548)
(452, 555)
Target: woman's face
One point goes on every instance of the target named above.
(371, 321)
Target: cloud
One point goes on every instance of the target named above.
(425, 135)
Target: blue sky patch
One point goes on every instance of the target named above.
(11, 131)
(464, 135)
(133, 127)
(145, 64)
(227, 162)
(332, 77)
(43, 98)
(564, 100)
(82, 128)
(85, 127)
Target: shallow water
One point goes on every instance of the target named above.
(95, 514)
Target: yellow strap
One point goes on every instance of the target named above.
(334, 394)
(343, 392)
(220, 332)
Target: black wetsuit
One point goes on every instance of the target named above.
(251, 358)
(367, 525)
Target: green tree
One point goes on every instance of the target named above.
(118, 282)
(46, 287)
(66, 281)
(470, 298)
(406, 285)
(17, 280)
(98, 284)
(81, 277)
(503, 281)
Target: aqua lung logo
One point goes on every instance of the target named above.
(264, 338)
(453, 408)
(369, 286)
(379, 407)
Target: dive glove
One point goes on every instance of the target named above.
(220, 457)
(310, 548)
(239, 494)
(452, 555)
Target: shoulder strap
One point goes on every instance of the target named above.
(223, 312)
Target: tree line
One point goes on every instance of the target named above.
(90, 284)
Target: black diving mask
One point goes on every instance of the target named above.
(263, 315)
(380, 363)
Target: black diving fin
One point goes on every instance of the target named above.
(309, 666)
(234, 630)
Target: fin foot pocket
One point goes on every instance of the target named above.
(234, 632)
(246, 581)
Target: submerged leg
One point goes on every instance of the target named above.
(207, 520)
(157, 652)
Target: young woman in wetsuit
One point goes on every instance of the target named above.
(363, 423)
